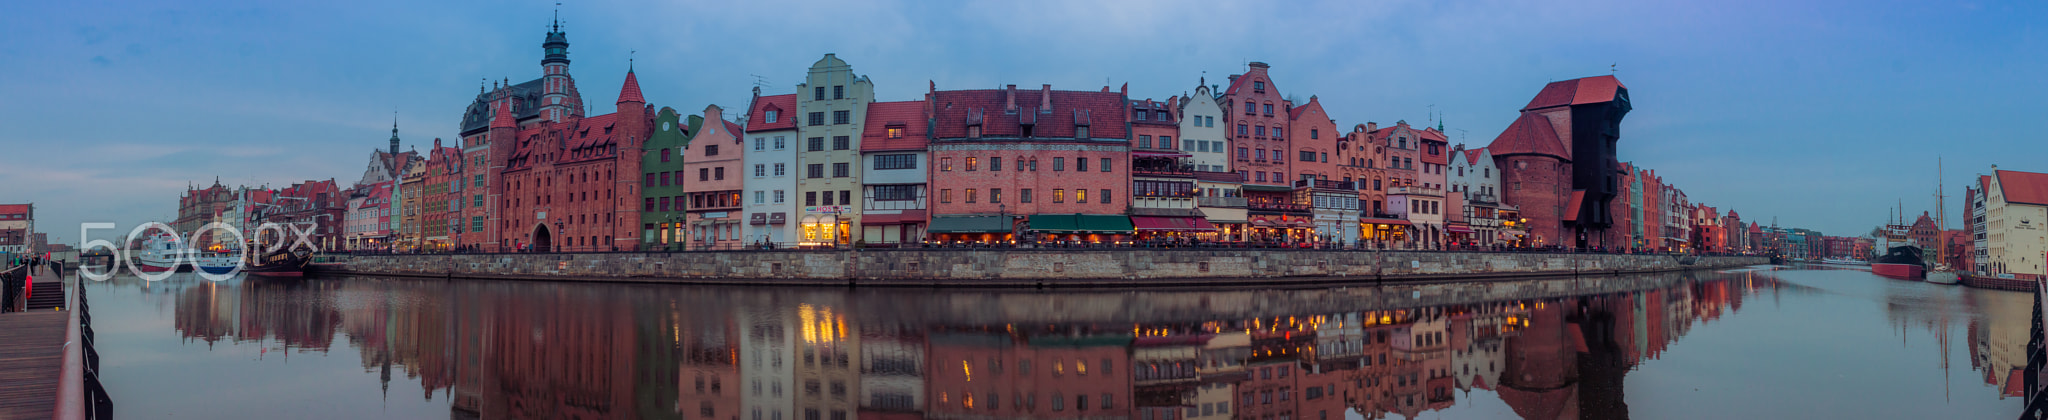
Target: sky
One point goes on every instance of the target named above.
(1825, 114)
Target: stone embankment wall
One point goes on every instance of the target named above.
(1023, 267)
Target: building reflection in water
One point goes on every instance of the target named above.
(543, 350)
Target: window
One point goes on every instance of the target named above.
(1081, 164)
(1105, 200)
(778, 196)
(1277, 133)
(841, 143)
(1243, 153)
(1258, 86)
(1259, 155)
(839, 92)
(895, 192)
(1308, 156)
(903, 161)
(1211, 121)
(810, 198)
(703, 174)
(815, 170)
(664, 155)
(841, 170)
(970, 196)
(478, 202)
(1105, 164)
(718, 173)
(1269, 109)
(816, 144)
(760, 144)
(1314, 133)
(664, 203)
(711, 150)
(778, 169)
(827, 201)
(1059, 195)
(1143, 115)
(974, 131)
(1059, 164)
(995, 163)
(1259, 131)
(946, 164)
(1261, 175)
(778, 142)
(1024, 197)
(818, 94)
(895, 132)
(773, 114)
(647, 204)
(1034, 163)
(1243, 130)
(818, 118)
(995, 195)
(946, 195)
(1251, 108)
(664, 179)
(760, 197)
(971, 163)
(842, 117)
(1165, 142)
(1326, 157)
(1145, 141)
(1080, 195)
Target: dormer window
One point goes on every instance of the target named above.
(1142, 115)
(896, 132)
(1258, 86)
(1081, 132)
(774, 115)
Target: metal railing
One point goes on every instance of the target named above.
(1230, 202)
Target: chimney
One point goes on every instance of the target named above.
(1372, 126)
(1045, 98)
(1012, 94)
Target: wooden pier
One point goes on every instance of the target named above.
(48, 368)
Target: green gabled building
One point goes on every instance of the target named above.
(661, 204)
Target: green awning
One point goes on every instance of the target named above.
(1081, 223)
(968, 224)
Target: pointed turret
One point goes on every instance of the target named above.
(394, 135)
(631, 91)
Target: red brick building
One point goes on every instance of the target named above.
(314, 206)
(1558, 160)
(1057, 158)
(1258, 127)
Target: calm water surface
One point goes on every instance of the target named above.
(1795, 343)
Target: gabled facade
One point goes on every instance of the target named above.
(1163, 186)
(2015, 209)
(713, 180)
(662, 219)
(570, 185)
(1559, 159)
(1473, 177)
(1205, 138)
(1364, 160)
(1258, 116)
(833, 102)
(772, 207)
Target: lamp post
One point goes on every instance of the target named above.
(1003, 215)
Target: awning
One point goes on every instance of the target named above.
(1377, 221)
(1571, 210)
(968, 224)
(1172, 224)
(1081, 223)
(1675, 239)
(905, 217)
(1457, 229)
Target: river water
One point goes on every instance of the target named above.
(1790, 343)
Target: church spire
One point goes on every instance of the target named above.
(394, 133)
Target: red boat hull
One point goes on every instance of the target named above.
(1899, 271)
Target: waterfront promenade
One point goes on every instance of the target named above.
(41, 371)
(1113, 267)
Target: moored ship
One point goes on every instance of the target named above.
(284, 263)
(1900, 262)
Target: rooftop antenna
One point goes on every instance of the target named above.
(1612, 68)
(629, 60)
(759, 81)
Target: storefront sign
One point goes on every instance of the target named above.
(828, 209)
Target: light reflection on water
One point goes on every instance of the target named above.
(1793, 343)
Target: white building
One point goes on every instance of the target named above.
(2015, 219)
(771, 169)
(1473, 175)
(892, 167)
(1207, 145)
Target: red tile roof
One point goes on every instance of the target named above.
(1295, 113)
(1430, 133)
(908, 115)
(1530, 134)
(1104, 112)
(1472, 155)
(785, 107)
(734, 128)
(13, 209)
(1589, 90)
(2024, 187)
(631, 91)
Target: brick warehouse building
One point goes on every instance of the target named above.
(552, 177)
(1558, 161)
(1258, 124)
(1056, 161)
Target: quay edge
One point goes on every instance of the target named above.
(1022, 268)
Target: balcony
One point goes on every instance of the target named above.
(1276, 206)
(1414, 190)
(1220, 202)
(1483, 199)
(1326, 184)
(1177, 171)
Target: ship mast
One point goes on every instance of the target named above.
(1940, 214)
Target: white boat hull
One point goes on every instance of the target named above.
(1943, 277)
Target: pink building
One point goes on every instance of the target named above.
(712, 182)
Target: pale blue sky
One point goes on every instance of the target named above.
(1823, 114)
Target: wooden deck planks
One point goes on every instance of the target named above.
(31, 358)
